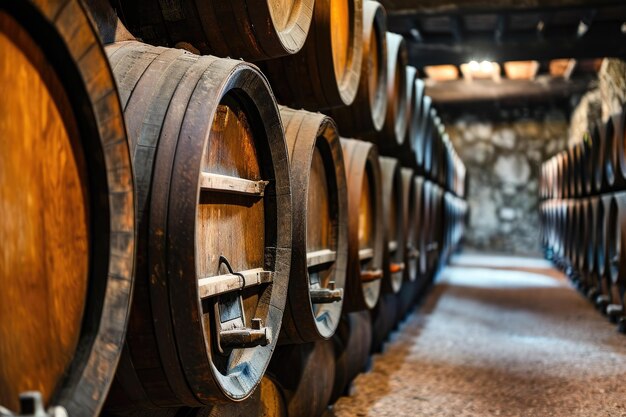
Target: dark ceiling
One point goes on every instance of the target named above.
(454, 32)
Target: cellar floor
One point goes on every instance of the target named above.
(497, 336)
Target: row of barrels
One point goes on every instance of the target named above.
(583, 237)
(167, 225)
(593, 166)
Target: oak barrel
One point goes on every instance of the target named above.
(422, 202)
(365, 225)
(253, 30)
(410, 221)
(393, 223)
(326, 71)
(305, 374)
(405, 152)
(608, 137)
(66, 197)
(352, 343)
(320, 227)
(383, 319)
(616, 262)
(419, 142)
(394, 129)
(214, 212)
(598, 155)
(367, 113)
(416, 94)
(619, 149)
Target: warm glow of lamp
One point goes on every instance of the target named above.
(442, 72)
(481, 70)
(521, 70)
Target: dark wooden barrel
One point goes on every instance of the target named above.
(404, 152)
(352, 343)
(434, 248)
(579, 155)
(214, 208)
(601, 251)
(394, 226)
(571, 173)
(320, 227)
(608, 137)
(587, 164)
(326, 71)
(419, 142)
(365, 225)
(619, 150)
(396, 120)
(406, 298)
(66, 197)
(266, 401)
(415, 124)
(383, 319)
(409, 215)
(616, 262)
(305, 374)
(429, 138)
(598, 154)
(582, 233)
(253, 30)
(589, 241)
(422, 202)
(366, 114)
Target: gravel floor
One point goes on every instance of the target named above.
(497, 337)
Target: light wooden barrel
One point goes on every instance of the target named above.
(393, 223)
(366, 114)
(396, 119)
(352, 343)
(305, 374)
(320, 227)
(325, 73)
(66, 197)
(619, 148)
(365, 225)
(409, 215)
(214, 212)
(253, 30)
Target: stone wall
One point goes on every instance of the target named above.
(503, 152)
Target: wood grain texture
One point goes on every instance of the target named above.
(365, 224)
(320, 216)
(191, 118)
(325, 73)
(250, 30)
(73, 209)
(366, 114)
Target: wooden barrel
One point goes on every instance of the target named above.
(396, 120)
(320, 227)
(598, 155)
(616, 262)
(66, 197)
(409, 215)
(406, 298)
(383, 319)
(589, 240)
(619, 150)
(579, 186)
(326, 71)
(214, 207)
(352, 343)
(571, 173)
(601, 242)
(420, 140)
(249, 29)
(436, 229)
(405, 152)
(582, 233)
(365, 225)
(393, 222)
(266, 401)
(608, 137)
(587, 164)
(422, 202)
(433, 130)
(305, 374)
(366, 115)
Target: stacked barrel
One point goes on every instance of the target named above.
(583, 214)
(222, 238)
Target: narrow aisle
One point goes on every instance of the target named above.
(497, 336)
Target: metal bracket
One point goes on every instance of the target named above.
(326, 295)
(31, 405)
